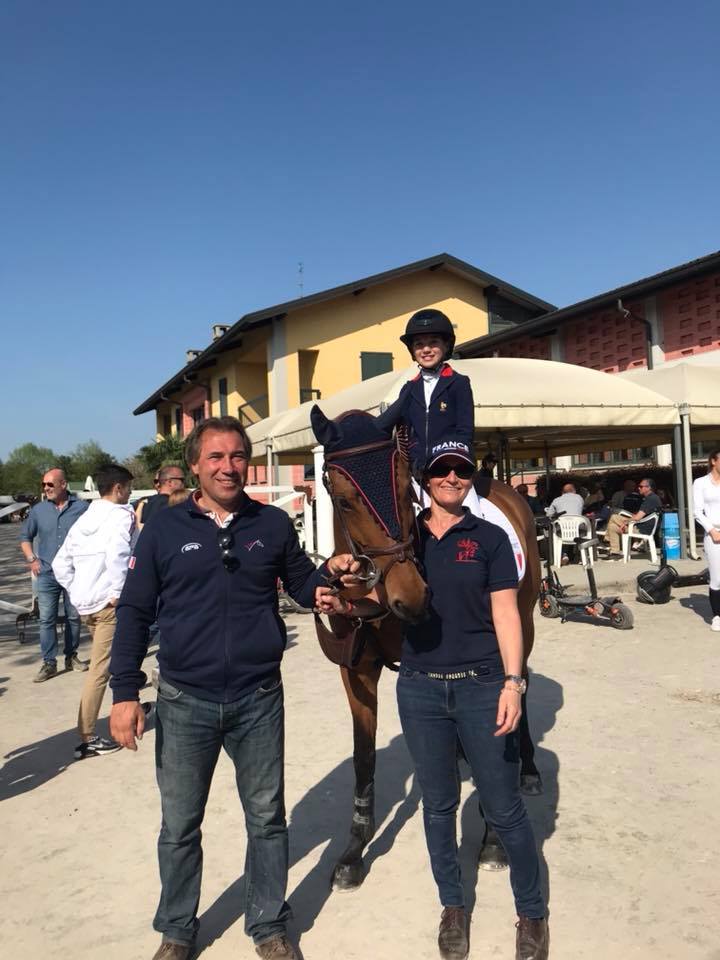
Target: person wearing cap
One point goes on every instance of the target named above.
(439, 400)
(460, 678)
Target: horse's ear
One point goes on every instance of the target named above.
(326, 431)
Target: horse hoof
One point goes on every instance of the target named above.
(492, 858)
(348, 876)
(531, 784)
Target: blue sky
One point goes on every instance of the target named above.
(165, 165)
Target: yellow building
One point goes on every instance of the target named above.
(273, 359)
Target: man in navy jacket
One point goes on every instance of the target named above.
(208, 569)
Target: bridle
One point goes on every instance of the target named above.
(399, 551)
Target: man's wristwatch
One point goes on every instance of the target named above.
(519, 683)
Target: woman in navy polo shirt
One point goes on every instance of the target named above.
(460, 678)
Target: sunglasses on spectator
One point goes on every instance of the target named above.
(49, 485)
(226, 541)
(462, 470)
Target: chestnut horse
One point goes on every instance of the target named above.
(369, 481)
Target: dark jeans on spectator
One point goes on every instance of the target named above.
(434, 714)
(189, 735)
(48, 594)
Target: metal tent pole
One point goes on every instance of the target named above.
(677, 459)
(687, 462)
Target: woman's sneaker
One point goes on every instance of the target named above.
(96, 748)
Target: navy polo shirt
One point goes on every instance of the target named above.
(471, 560)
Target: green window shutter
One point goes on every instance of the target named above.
(373, 364)
(222, 394)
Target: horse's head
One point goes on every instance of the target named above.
(368, 479)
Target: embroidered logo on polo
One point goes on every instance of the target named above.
(187, 547)
(254, 543)
(467, 551)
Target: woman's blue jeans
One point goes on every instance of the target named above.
(189, 735)
(434, 714)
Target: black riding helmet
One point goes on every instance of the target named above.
(429, 321)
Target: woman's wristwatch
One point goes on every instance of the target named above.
(519, 683)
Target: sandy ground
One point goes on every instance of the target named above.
(627, 726)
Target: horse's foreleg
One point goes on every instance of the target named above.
(530, 780)
(361, 689)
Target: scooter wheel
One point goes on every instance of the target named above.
(621, 617)
(549, 607)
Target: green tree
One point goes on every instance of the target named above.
(25, 466)
(85, 460)
(166, 451)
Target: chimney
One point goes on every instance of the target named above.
(191, 355)
(219, 329)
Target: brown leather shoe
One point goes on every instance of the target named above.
(174, 951)
(532, 941)
(453, 934)
(276, 948)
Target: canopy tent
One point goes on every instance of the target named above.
(527, 408)
(536, 406)
(695, 389)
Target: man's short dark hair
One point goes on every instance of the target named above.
(107, 476)
(650, 482)
(193, 443)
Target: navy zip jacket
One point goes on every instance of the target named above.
(221, 635)
(450, 413)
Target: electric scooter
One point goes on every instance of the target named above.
(556, 601)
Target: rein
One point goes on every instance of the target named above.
(399, 551)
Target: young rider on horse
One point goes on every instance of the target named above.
(438, 403)
(439, 400)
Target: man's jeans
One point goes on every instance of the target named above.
(48, 594)
(434, 714)
(189, 735)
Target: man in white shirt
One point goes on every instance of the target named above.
(569, 502)
(92, 565)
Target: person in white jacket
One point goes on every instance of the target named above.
(706, 503)
(92, 565)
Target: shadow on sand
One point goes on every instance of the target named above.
(699, 603)
(324, 815)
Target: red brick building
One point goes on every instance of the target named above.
(673, 315)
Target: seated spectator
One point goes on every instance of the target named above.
(627, 499)
(569, 502)
(595, 500)
(532, 502)
(666, 499)
(617, 524)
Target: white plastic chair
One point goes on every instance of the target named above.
(633, 534)
(567, 529)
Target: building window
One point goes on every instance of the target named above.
(373, 364)
(609, 458)
(179, 421)
(167, 423)
(198, 415)
(307, 393)
(222, 394)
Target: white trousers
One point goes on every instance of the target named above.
(712, 555)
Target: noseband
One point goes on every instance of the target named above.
(398, 552)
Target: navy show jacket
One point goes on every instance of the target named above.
(462, 568)
(221, 635)
(450, 413)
